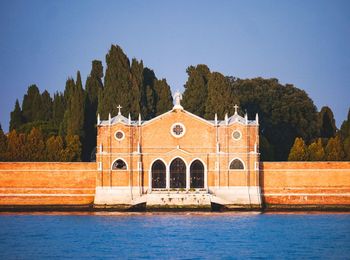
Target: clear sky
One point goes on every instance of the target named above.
(306, 43)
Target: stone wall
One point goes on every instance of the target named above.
(305, 184)
(32, 184)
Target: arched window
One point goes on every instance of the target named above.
(197, 174)
(177, 174)
(158, 175)
(236, 164)
(119, 165)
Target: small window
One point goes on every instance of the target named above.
(236, 135)
(236, 164)
(119, 135)
(119, 165)
(177, 130)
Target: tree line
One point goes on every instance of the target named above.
(65, 125)
(290, 125)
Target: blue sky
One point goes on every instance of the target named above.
(306, 43)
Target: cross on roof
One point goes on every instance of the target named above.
(236, 107)
(119, 107)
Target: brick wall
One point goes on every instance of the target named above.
(48, 183)
(304, 184)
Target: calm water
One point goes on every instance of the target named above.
(189, 236)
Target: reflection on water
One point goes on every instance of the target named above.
(189, 235)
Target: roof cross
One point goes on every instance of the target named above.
(236, 107)
(119, 107)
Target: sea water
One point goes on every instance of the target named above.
(174, 236)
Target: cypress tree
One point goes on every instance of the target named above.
(93, 87)
(31, 106)
(16, 120)
(196, 89)
(117, 86)
(148, 95)
(219, 99)
(327, 121)
(136, 87)
(3, 145)
(73, 121)
(35, 146)
(46, 107)
(298, 151)
(58, 108)
(164, 99)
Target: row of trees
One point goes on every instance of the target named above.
(285, 112)
(33, 147)
(74, 112)
(334, 148)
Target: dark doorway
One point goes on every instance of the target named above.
(177, 174)
(158, 175)
(197, 174)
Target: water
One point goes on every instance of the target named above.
(175, 236)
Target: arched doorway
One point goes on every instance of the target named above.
(197, 175)
(177, 174)
(158, 175)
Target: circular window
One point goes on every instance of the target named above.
(236, 135)
(177, 130)
(119, 135)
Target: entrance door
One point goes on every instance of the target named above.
(177, 174)
(197, 174)
(158, 175)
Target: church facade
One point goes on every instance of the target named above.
(178, 160)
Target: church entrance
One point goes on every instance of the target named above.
(197, 175)
(177, 174)
(158, 175)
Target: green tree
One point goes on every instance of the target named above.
(73, 121)
(334, 149)
(15, 147)
(117, 84)
(32, 104)
(196, 89)
(54, 149)
(16, 120)
(164, 99)
(327, 122)
(3, 145)
(35, 146)
(298, 151)
(220, 99)
(148, 95)
(345, 136)
(72, 151)
(58, 109)
(315, 151)
(45, 112)
(93, 88)
(136, 71)
(285, 112)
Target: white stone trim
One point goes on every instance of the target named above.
(120, 158)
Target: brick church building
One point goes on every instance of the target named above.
(178, 159)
